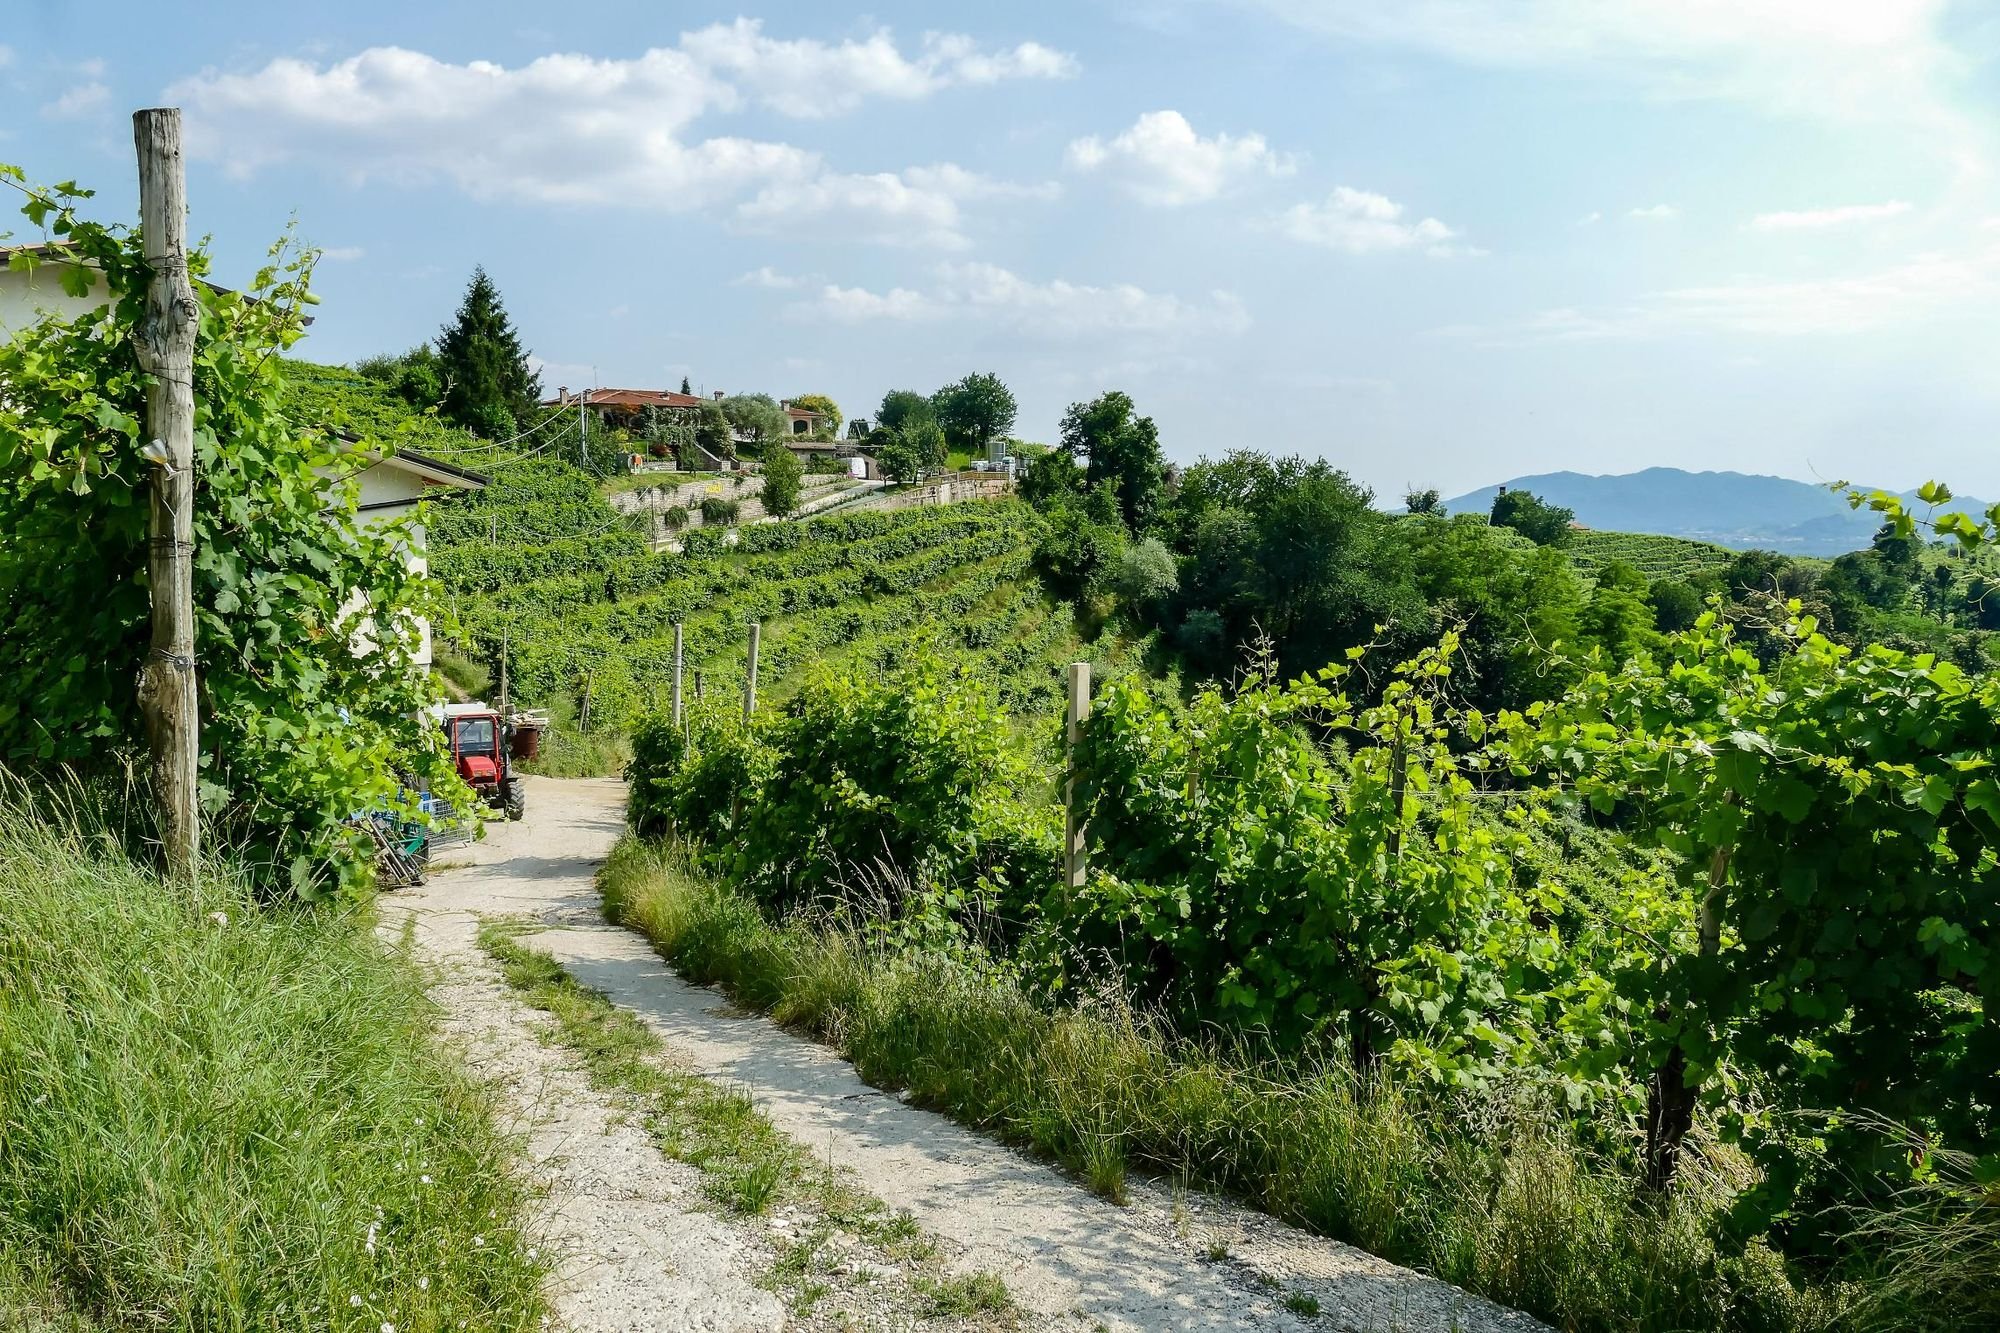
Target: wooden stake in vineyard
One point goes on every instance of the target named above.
(165, 347)
(750, 676)
(1076, 858)
(677, 676)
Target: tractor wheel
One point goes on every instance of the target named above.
(514, 799)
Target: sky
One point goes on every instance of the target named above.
(1436, 242)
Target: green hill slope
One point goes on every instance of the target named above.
(586, 611)
(1654, 556)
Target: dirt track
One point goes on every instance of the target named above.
(642, 1253)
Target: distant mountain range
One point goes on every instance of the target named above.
(1727, 508)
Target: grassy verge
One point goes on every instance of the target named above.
(221, 1116)
(1499, 1197)
(752, 1167)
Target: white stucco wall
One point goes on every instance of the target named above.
(26, 297)
(389, 493)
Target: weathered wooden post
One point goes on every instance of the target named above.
(750, 676)
(165, 347)
(1076, 860)
(678, 723)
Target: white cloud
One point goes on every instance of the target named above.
(1873, 60)
(570, 129)
(77, 101)
(1360, 222)
(1162, 161)
(1913, 290)
(768, 278)
(1590, 219)
(989, 294)
(6, 56)
(809, 78)
(1920, 289)
(1817, 218)
(915, 207)
(341, 254)
(1654, 213)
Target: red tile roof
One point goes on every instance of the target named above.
(630, 398)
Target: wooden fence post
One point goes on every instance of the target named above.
(1076, 859)
(677, 676)
(699, 692)
(750, 677)
(165, 347)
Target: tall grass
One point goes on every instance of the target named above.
(216, 1115)
(1497, 1194)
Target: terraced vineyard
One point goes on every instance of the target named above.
(1652, 555)
(587, 612)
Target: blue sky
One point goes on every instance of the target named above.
(1440, 242)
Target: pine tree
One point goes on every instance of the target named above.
(686, 388)
(489, 388)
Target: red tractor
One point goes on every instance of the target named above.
(484, 746)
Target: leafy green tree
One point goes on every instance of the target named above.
(1515, 609)
(413, 376)
(488, 386)
(1676, 605)
(754, 417)
(687, 388)
(712, 432)
(1146, 576)
(975, 411)
(1121, 447)
(1536, 519)
(898, 458)
(903, 407)
(1079, 551)
(783, 474)
(306, 616)
(825, 406)
(1295, 550)
(1618, 617)
(1051, 477)
(1422, 502)
(927, 440)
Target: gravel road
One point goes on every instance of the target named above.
(640, 1251)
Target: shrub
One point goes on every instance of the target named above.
(717, 511)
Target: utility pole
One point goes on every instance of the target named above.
(165, 347)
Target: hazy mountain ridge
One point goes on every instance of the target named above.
(1734, 509)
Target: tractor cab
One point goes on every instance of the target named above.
(484, 745)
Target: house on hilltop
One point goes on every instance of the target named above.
(623, 409)
(805, 421)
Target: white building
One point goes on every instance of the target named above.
(390, 487)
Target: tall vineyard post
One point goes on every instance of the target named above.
(165, 347)
(678, 712)
(1076, 858)
(750, 675)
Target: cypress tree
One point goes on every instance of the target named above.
(685, 387)
(489, 388)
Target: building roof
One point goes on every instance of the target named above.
(804, 413)
(437, 470)
(627, 398)
(431, 469)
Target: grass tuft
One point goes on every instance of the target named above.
(221, 1115)
(1500, 1195)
